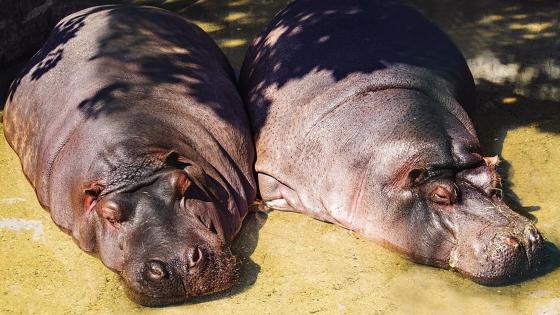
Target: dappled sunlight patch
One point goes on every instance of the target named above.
(237, 3)
(11, 201)
(275, 34)
(235, 16)
(233, 42)
(509, 100)
(527, 80)
(490, 19)
(487, 66)
(208, 27)
(531, 27)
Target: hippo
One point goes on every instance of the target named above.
(130, 128)
(359, 115)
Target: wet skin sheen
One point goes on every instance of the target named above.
(142, 155)
(358, 112)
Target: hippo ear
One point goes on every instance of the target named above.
(492, 161)
(91, 193)
(171, 158)
(195, 173)
(197, 176)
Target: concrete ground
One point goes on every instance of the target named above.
(293, 264)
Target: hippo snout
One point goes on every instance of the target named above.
(508, 256)
(198, 270)
(156, 270)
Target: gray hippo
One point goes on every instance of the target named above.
(358, 113)
(129, 126)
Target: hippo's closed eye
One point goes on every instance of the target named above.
(110, 211)
(443, 195)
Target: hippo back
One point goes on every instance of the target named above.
(333, 88)
(129, 77)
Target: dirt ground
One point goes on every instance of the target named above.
(294, 264)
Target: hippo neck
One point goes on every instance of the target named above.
(399, 76)
(358, 86)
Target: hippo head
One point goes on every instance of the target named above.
(455, 218)
(163, 235)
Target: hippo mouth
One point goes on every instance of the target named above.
(508, 258)
(153, 301)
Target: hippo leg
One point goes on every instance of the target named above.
(273, 194)
(279, 196)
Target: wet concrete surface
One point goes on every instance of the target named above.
(294, 264)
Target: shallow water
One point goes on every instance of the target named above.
(292, 263)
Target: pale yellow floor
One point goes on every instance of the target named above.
(293, 264)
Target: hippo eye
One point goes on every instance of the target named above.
(443, 195)
(110, 211)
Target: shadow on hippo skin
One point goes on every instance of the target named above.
(233, 35)
(243, 247)
(341, 63)
(51, 53)
(124, 45)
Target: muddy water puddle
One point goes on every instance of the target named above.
(293, 264)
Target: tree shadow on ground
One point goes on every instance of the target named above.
(500, 110)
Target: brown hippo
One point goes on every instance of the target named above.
(358, 113)
(129, 126)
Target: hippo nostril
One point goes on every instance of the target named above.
(532, 234)
(155, 270)
(534, 243)
(195, 256)
(512, 241)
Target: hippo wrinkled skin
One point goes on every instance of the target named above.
(130, 128)
(358, 109)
